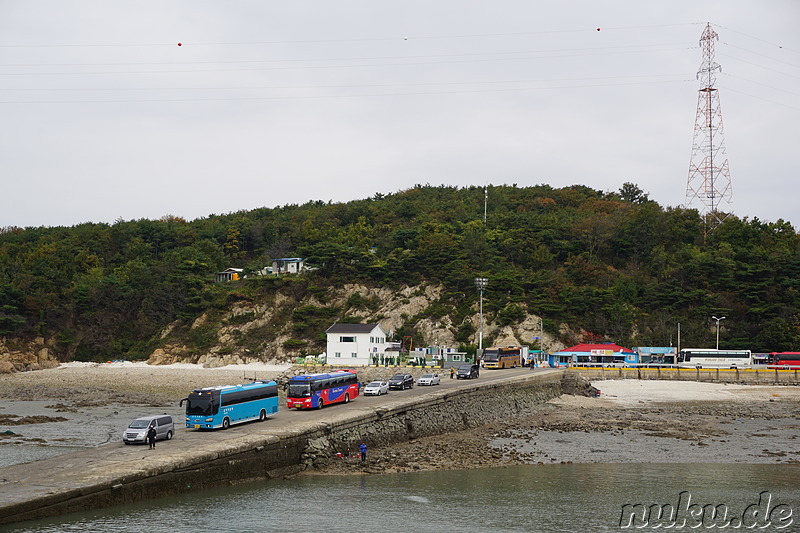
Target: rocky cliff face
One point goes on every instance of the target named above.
(34, 355)
(259, 331)
(286, 323)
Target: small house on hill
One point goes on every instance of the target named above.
(599, 354)
(356, 344)
(288, 265)
(229, 274)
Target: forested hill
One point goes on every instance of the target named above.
(593, 265)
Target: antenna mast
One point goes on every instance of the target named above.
(709, 184)
(485, 201)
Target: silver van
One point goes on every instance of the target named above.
(137, 430)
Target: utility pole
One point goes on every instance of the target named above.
(485, 201)
(480, 284)
(709, 185)
(718, 321)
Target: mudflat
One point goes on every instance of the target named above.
(631, 421)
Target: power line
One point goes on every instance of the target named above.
(344, 40)
(316, 67)
(780, 46)
(312, 97)
(361, 58)
(339, 86)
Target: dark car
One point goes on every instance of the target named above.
(401, 381)
(467, 372)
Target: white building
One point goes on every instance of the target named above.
(288, 265)
(355, 344)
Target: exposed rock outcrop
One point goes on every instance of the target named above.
(35, 355)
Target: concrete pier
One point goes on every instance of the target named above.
(285, 444)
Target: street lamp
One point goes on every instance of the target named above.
(480, 284)
(718, 321)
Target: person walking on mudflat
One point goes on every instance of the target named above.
(363, 449)
(151, 437)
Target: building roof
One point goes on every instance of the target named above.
(352, 328)
(587, 348)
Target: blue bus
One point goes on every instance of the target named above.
(314, 391)
(220, 407)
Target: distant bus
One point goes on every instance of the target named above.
(225, 405)
(314, 391)
(784, 360)
(503, 356)
(708, 358)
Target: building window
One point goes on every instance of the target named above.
(456, 358)
(338, 354)
(354, 355)
(347, 339)
(372, 339)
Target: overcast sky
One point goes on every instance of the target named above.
(105, 117)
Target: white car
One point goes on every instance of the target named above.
(429, 379)
(376, 388)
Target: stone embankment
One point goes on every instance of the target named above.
(109, 475)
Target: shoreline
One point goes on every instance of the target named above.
(631, 422)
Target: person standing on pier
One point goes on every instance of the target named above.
(151, 436)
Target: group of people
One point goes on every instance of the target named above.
(362, 449)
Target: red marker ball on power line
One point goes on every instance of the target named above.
(181, 44)
(598, 29)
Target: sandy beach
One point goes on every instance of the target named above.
(632, 421)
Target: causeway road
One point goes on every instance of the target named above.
(73, 474)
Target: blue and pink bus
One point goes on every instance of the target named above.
(314, 391)
(225, 405)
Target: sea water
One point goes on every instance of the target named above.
(534, 498)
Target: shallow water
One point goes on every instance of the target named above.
(546, 498)
(85, 427)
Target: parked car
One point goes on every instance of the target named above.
(401, 381)
(468, 372)
(376, 388)
(429, 379)
(137, 430)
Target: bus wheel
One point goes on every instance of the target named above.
(262, 415)
(226, 423)
(169, 435)
(321, 404)
(346, 398)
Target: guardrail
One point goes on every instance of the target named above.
(761, 376)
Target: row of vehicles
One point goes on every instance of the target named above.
(399, 382)
(224, 406)
(734, 359)
(708, 358)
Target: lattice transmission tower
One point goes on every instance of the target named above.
(709, 185)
